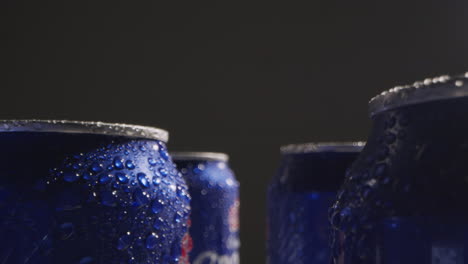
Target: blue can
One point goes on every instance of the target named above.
(215, 206)
(86, 192)
(405, 198)
(299, 197)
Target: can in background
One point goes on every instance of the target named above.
(299, 197)
(215, 206)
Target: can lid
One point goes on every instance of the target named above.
(83, 127)
(430, 89)
(195, 155)
(323, 147)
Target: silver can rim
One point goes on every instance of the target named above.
(199, 155)
(317, 147)
(428, 90)
(84, 127)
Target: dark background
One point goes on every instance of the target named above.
(237, 78)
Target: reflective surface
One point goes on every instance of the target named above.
(84, 198)
(411, 174)
(215, 209)
(298, 200)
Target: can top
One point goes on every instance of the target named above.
(430, 89)
(322, 147)
(83, 127)
(195, 155)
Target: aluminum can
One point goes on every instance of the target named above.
(405, 198)
(215, 207)
(299, 197)
(89, 192)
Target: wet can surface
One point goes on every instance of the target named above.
(299, 197)
(405, 198)
(215, 207)
(89, 192)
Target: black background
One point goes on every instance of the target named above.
(227, 76)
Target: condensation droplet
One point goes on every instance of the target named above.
(124, 242)
(158, 223)
(152, 161)
(143, 180)
(157, 206)
(121, 177)
(140, 198)
(163, 172)
(96, 167)
(71, 176)
(118, 163)
(130, 165)
(151, 241)
(156, 181)
(105, 178)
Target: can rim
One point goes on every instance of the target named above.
(84, 127)
(314, 147)
(199, 155)
(430, 89)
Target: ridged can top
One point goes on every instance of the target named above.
(84, 127)
(430, 89)
(196, 155)
(322, 147)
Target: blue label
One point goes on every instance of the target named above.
(214, 226)
(215, 229)
(108, 204)
(298, 228)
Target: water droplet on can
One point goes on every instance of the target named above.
(151, 241)
(124, 242)
(130, 165)
(158, 223)
(118, 163)
(177, 217)
(121, 177)
(163, 152)
(163, 172)
(96, 167)
(87, 176)
(140, 198)
(156, 180)
(157, 206)
(71, 176)
(152, 161)
(104, 178)
(143, 180)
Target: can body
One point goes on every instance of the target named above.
(215, 207)
(404, 200)
(89, 198)
(298, 200)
